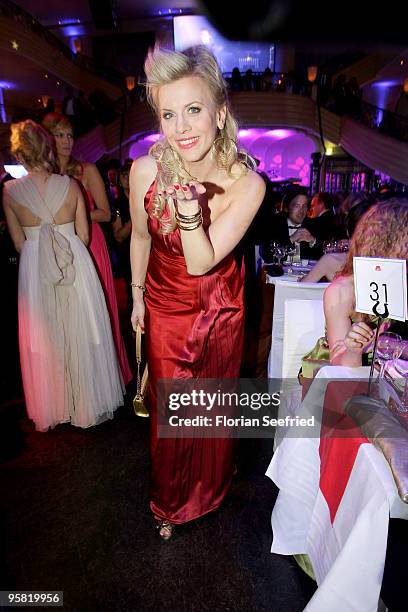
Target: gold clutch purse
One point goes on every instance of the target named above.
(139, 401)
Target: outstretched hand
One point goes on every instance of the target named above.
(188, 193)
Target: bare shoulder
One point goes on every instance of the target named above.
(249, 183)
(8, 184)
(142, 175)
(89, 169)
(144, 166)
(340, 292)
(7, 190)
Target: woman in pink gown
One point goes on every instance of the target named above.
(99, 212)
(192, 200)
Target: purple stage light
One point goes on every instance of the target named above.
(7, 85)
(283, 153)
(152, 137)
(73, 30)
(389, 83)
(279, 134)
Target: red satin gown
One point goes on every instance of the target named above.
(194, 328)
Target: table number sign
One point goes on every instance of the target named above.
(380, 287)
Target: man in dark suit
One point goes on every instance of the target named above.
(286, 227)
(318, 227)
(321, 222)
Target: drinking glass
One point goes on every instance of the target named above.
(389, 346)
(279, 252)
(290, 252)
(402, 368)
(344, 246)
(328, 246)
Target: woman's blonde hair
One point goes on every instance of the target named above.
(381, 232)
(163, 66)
(33, 146)
(55, 121)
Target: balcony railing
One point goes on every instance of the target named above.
(382, 120)
(13, 11)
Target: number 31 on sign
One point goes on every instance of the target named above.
(380, 287)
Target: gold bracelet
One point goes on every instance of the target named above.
(189, 222)
(189, 217)
(189, 228)
(192, 222)
(141, 287)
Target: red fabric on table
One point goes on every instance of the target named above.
(340, 440)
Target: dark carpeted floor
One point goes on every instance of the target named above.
(74, 516)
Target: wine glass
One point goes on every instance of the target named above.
(328, 246)
(290, 251)
(278, 251)
(389, 346)
(268, 253)
(273, 256)
(401, 367)
(344, 246)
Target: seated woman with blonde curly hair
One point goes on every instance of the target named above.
(382, 232)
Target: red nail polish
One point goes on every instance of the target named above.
(176, 186)
(184, 188)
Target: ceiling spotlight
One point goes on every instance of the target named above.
(58, 83)
(14, 44)
(402, 62)
(46, 76)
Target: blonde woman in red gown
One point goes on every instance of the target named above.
(187, 288)
(99, 212)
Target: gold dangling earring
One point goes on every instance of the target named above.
(222, 148)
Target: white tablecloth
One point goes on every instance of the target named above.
(296, 274)
(347, 556)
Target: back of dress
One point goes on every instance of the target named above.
(25, 192)
(68, 360)
(55, 255)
